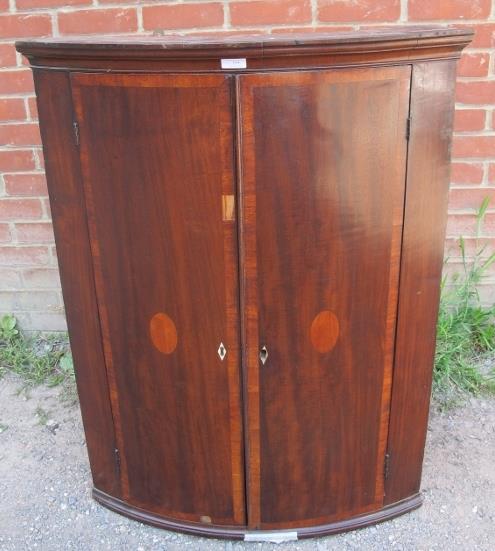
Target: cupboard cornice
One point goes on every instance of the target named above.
(275, 51)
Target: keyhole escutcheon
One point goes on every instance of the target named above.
(263, 354)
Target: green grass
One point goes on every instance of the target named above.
(465, 330)
(37, 359)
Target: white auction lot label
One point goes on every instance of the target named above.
(237, 63)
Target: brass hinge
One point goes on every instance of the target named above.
(386, 466)
(75, 126)
(117, 459)
(408, 128)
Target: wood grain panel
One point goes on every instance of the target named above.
(432, 108)
(322, 182)
(76, 271)
(262, 52)
(157, 159)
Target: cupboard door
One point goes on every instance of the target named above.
(322, 170)
(157, 166)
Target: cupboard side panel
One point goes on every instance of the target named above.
(432, 108)
(76, 273)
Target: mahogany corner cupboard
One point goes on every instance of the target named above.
(250, 236)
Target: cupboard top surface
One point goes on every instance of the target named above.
(394, 43)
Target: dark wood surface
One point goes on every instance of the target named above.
(432, 110)
(76, 271)
(364, 39)
(278, 51)
(262, 207)
(323, 174)
(157, 158)
(235, 532)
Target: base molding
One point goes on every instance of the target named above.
(235, 532)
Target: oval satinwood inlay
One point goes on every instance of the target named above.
(163, 333)
(324, 331)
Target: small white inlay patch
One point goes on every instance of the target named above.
(238, 63)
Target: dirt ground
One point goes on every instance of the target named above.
(45, 501)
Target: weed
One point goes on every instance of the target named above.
(465, 330)
(36, 359)
(8, 329)
(42, 415)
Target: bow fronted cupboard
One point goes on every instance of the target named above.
(250, 237)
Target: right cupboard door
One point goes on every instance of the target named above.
(322, 184)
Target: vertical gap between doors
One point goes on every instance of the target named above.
(236, 152)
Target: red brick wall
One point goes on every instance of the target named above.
(29, 284)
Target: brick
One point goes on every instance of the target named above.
(16, 159)
(8, 300)
(102, 2)
(491, 173)
(322, 28)
(12, 109)
(452, 270)
(182, 16)
(38, 152)
(54, 258)
(5, 235)
(33, 107)
(30, 300)
(44, 278)
(469, 120)
(471, 247)
(493, 120)
(473, 146)
(359, 10)
(10, 279)
(18, 81)
(25, 184)
(486, 292)
(24, 256)
(21, 26)
(473, 65)
(484, 34)
(421, 10)
(20, 134)
(48, 321)
(23, 318)
(7, 55)
(470, 198)
(113, 20)
(46, 207)
(270, 12)
(20, 209)
(4, 5)
(34, 232)
(40, 4)
(466, 173)
(465, 225)
(219, 34)
(475, 92)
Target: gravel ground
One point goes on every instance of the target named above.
(45, 487)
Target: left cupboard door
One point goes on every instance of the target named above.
(156, 155)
